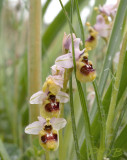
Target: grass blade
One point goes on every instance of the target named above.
(112, 106)
(118, 124)
(3, 153)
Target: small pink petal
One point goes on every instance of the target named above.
(67, 40)
(101, 27)
(109, 10)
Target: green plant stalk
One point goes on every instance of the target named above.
(80, 90)
(102, 121)
(34, 55)
(84, 107)
(15, 119)
(66, 79)
(67, 16)
(47, 155)
(80, 22)
(73, 121)
(112, 106)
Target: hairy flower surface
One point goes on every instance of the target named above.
(47, 129)
(84, 69)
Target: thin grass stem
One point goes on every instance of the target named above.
(64, 10)
(84, 106)
(73, 121)
(80, 22)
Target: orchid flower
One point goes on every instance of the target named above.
(101, 27)
(66, 60)
(47, 129)
(91, 41)
(50, 103)
(109, 10)
(85, 71)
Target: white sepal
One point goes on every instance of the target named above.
(58, 123)
(62, 97)
(65, 61)
(41, 120)
(37, 98)
(34, 128)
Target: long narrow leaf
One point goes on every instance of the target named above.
(3, 153)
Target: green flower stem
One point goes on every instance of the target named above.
(47, 155)
(80, 22)
(84, 107)
(112, 106)
(80, 90)
(34, 55)
(67, 16)
(67, 75)
(102, 123)
(73, 121)
(82, 32)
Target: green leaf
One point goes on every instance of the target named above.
(122, 139)
(3, 151)
(123, 110)
(45, 7)
(123, 81)
(95, 127)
